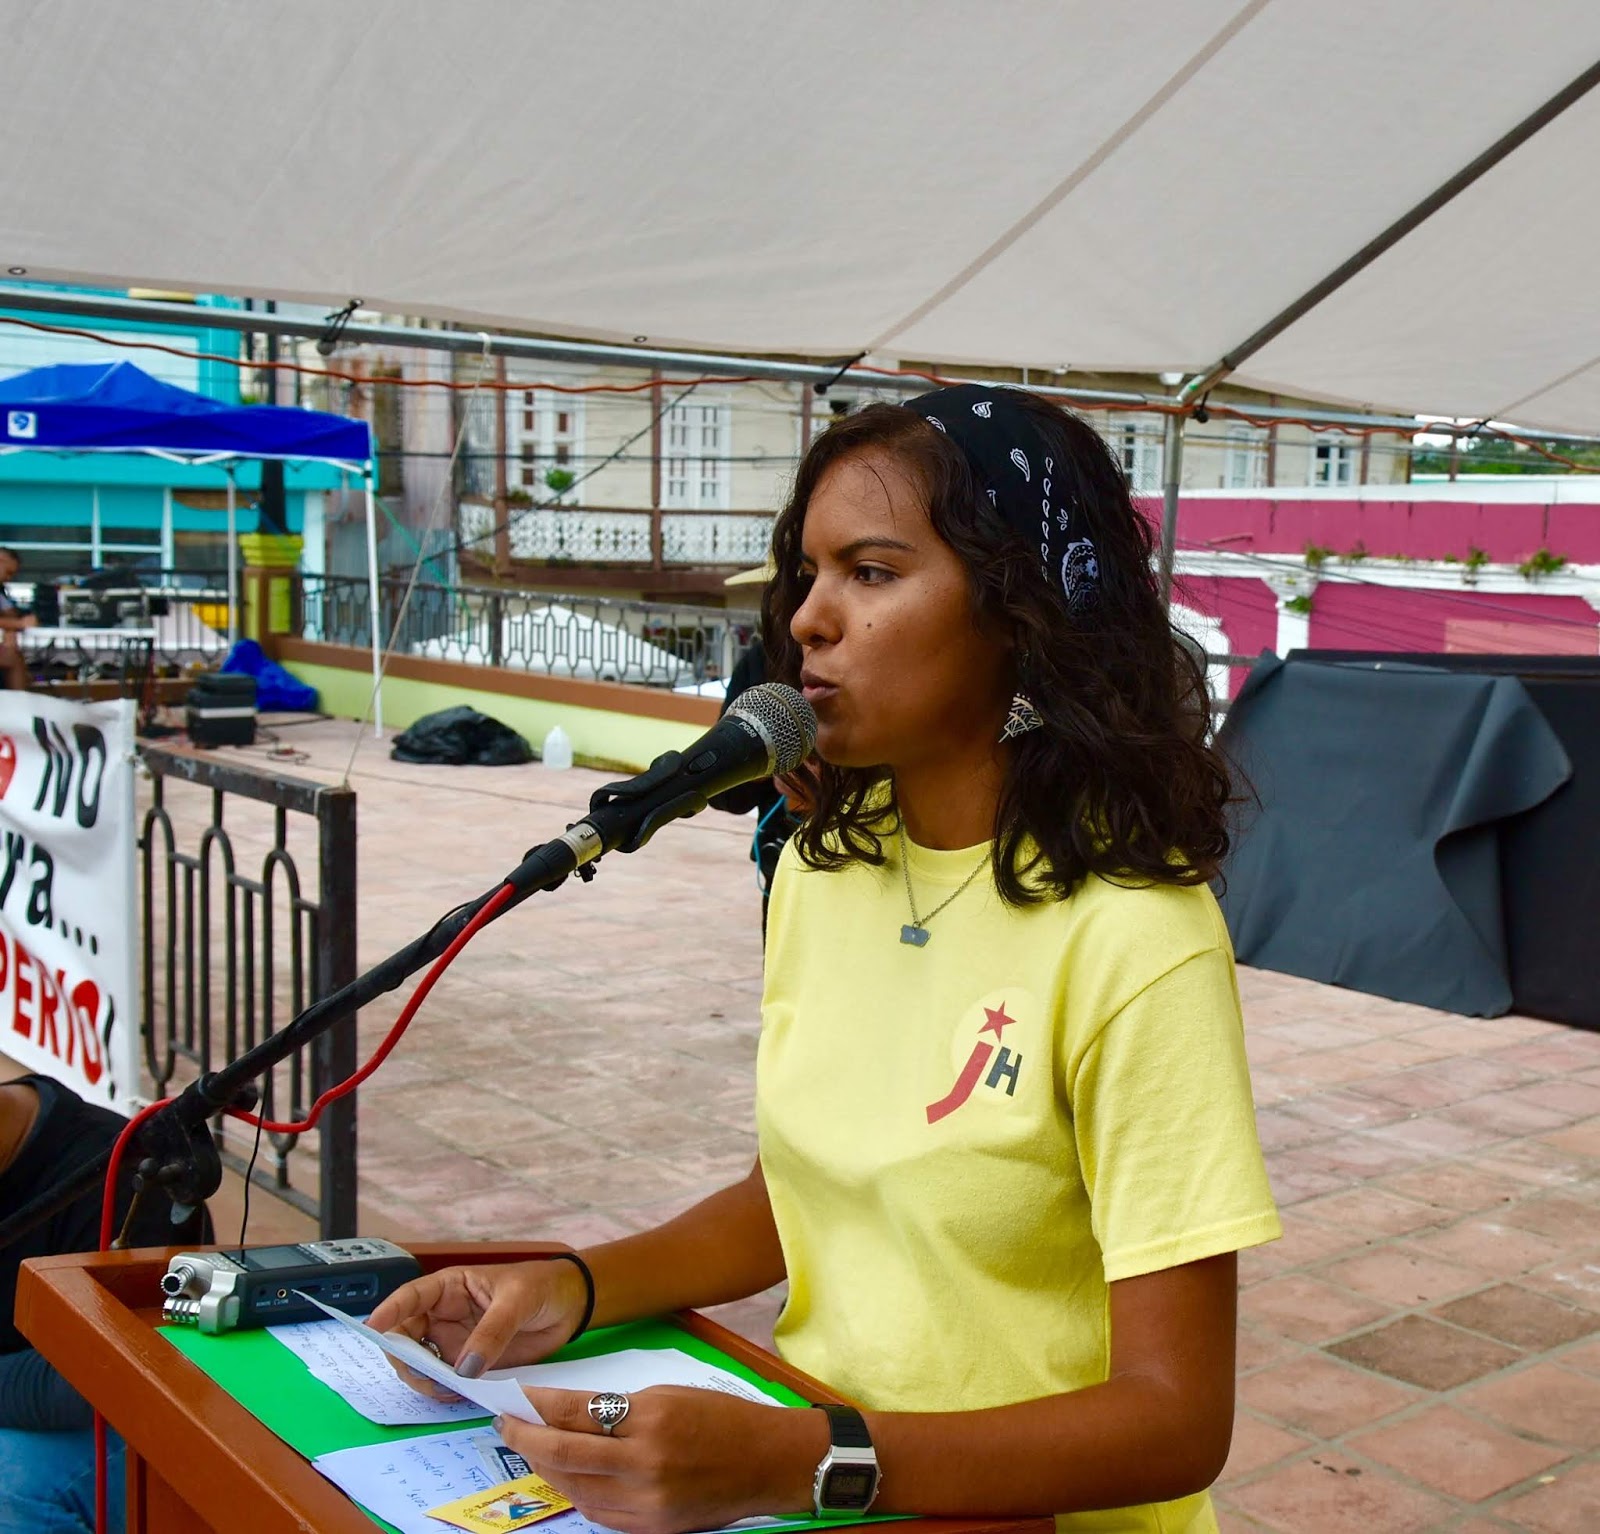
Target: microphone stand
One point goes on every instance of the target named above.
(179, 1155)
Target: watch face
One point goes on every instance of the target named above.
(849, 1486)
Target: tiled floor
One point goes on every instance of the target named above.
(1421, 1351)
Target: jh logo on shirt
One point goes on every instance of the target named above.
(993, 1065)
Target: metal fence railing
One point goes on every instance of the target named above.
(182, 616)
(230, 956)
(650, 644)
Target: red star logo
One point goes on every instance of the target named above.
(997, 1020)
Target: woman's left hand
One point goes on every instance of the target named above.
(681, 1459)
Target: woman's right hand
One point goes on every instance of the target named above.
(494, 1316)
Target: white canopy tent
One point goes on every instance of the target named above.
(1109, 188)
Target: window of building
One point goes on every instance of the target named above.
(695, 443)
(1245, 458)
(544, 432)
(1333, 460)
(203, 552)
(1139, 448)
(32, 349)
(71, 548)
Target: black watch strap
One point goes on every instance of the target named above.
(847, 1428)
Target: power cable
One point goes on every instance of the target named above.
(936, 379)
(359, 380)
(1238, 412)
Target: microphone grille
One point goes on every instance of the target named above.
(784, 720)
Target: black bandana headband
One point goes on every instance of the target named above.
(1017, 470)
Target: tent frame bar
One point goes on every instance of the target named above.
(598, 354)
(1197, 386)
(192, 460)
(1171, 484)
(375, 606)
(498, 343)
(232, 472)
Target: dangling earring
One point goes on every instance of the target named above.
(1023, 718)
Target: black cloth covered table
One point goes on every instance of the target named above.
(1372, 857)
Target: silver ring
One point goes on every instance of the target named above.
(608, 1409)
(432, 1347)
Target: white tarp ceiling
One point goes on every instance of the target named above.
(1041, 182)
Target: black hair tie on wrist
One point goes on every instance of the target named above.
(588, 1290)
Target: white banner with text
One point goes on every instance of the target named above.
(69, 924)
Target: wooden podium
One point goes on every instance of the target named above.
(199, 1462)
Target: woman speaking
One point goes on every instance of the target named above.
(1007, 1148)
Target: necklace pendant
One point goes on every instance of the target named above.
(914, 934)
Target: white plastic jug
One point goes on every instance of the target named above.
(557, 749)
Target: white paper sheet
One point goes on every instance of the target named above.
(494, 1393)
(633, 1369)
(401, 1481)
(499, 1391)
(346, 1363)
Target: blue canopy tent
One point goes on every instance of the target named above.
(115, 407)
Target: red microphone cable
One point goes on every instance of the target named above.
(108, 1203)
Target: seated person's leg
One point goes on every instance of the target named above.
(13, 666)
(47, 1482)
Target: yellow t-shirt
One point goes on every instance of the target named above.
(964, 1143)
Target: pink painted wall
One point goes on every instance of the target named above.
(1365, 617)
(1455, 622)
(1507, 531)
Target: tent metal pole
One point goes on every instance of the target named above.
(471, 342)
(1508, 142)
(233, 558)
(1171, 482)
(376, 611)
(598, 354)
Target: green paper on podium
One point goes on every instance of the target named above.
(275, 1386)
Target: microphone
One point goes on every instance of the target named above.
(767, 731)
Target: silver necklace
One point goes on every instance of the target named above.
(915, 932)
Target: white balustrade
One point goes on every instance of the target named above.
(714, 539)
(590, 536)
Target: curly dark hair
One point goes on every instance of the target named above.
(1120, 782)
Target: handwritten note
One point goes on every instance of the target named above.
(346, 1362)
(400, 1482)
(494, 1392)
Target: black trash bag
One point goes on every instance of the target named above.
(458, 737)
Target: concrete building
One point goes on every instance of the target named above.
(660, 492)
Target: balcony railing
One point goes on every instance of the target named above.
(605, 536)
(650, 644)
(597, 639)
